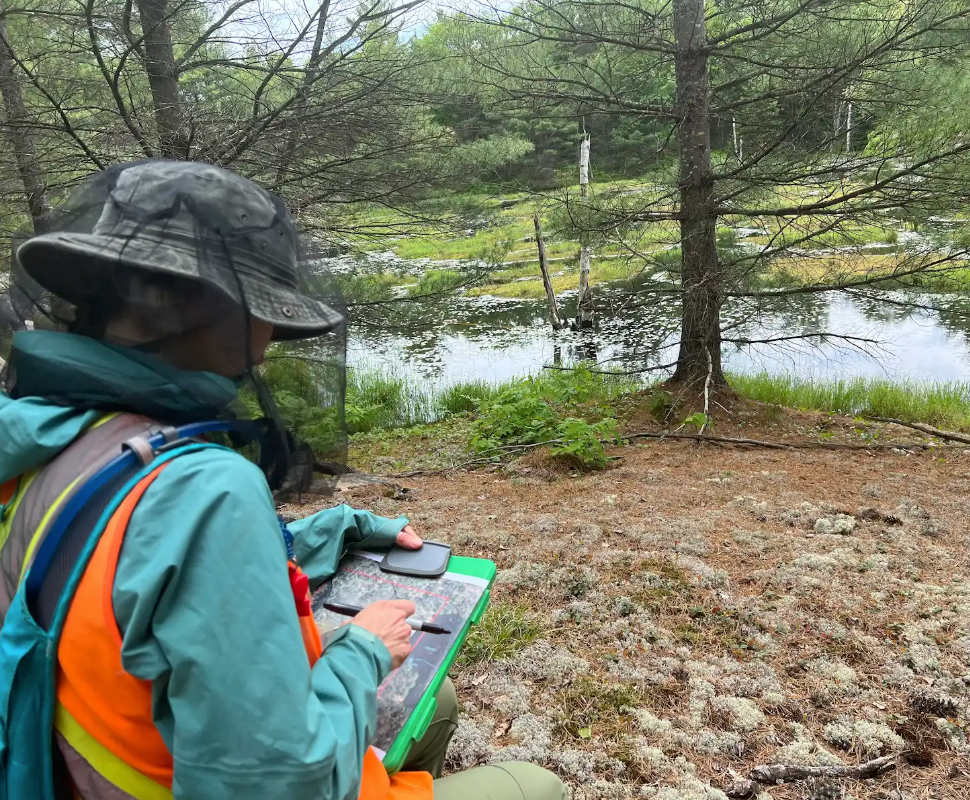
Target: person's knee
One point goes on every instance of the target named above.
(534, 782)
(447, 702)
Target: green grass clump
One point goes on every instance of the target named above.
(438, 281)
(945, 405)
(377, 400)
(490, 244)
(505, 629)
(466, 397)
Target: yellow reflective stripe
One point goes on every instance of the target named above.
(7, 522)
(106, 763)
(34, 540)
(106, 418)
(28, 477)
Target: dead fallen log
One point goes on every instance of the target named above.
(929, 429)
(783, 773)
(779, 445)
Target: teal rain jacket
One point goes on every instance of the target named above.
(202, 593)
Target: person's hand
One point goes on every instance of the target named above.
(386, 620)
(408, 539)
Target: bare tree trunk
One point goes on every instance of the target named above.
(173, 136)
(584, 303)
(557, 322)
(701, 279)
(20, 135)
(311, 75)
(848, 128)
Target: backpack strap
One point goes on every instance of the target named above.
(69, 531)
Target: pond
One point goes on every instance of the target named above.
(493, 339)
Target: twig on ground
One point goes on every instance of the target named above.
(780, 773)
(475, 462)
(724, 440)
(919, 426)
(707, 389)
(780, 445)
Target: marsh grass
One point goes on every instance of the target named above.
(946, 405)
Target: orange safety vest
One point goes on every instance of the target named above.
(103, 717)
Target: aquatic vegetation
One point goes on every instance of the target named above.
(945, 404)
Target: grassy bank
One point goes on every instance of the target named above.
(946, 405)
(379, 400)
(396, 420)
(385, 401)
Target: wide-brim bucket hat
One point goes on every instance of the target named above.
(189, 220)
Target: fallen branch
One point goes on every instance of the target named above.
(919, 426)
(707, 390)
(475, 462)
(778, 445)
(781, 773)
(511, 449)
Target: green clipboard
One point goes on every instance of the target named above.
(417, 724)
(402, 719)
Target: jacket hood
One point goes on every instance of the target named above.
(62, 383)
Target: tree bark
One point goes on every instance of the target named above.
(584, 302)
(20, 135)
(701, 279)
(557, 322)
(780, 773)
(737, 142)
(848, 128)
(160, 66)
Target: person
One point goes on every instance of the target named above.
(183, 667)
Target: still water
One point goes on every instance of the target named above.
(485, 338)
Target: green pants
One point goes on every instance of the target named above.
(514, 780)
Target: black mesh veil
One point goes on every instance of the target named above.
(193, 269)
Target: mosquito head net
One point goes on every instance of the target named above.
(206, 271)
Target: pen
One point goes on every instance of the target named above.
(353, 611)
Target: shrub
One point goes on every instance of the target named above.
(568, 410)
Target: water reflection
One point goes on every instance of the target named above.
(465, 338)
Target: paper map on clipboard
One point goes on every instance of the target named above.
(448, 601)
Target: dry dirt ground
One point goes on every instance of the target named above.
(669, 623)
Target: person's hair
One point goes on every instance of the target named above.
(164, 305)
